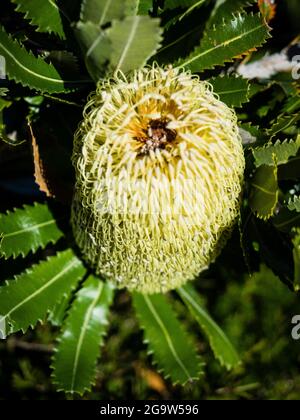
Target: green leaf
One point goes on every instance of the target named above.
(264, 194)
(57, 314)
(102, 12)
(224, 9)
(96, 47)
(23, 67)
(229, 40)
(296, 256)
(144, 6)
(133, 41)
(74, 362)
(291, 170)
(294, 204)
(232, 90)
(27, 299)
(44, 14)
(282, 150)
(126, 45)
(27, 229)
(173, 349)
(182, 4)
(283, 123)
(220, 344)
(286, 220)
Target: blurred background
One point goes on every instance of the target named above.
(255, 311)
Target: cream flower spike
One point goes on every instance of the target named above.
(159, 171)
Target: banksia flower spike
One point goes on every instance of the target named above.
(159, 169)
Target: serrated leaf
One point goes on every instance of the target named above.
(283, 123)
(264, 194)
(291, 170)
(224, 9)
(286, 220)
(229, 40)
(296, 256)
(232, 90)
(57, 314)
(144, 6)
(220, 344)
(294, 204)
(27, 299)
(125, 46)
(96, 47)
(23, 67)
(27, 229)
(292, 105)
(282, 150)
(102, 12)
(182, 4)
(173, 349)
(74, 361)
(133, 41)
(44, 14)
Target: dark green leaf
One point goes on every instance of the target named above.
(264, 194)
(45, 14)
(229, 40)
(232, 90)
(27, 299)
(23, 67)
(224, 9)
(27, 229)
(173, 349)
(221, 346)
(296, 255)
(286, 220)
(283, 123)
(282, 150)
(75, 358)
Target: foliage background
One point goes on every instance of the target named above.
(255, 311)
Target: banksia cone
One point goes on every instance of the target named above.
(159, 168)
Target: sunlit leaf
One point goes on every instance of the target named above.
(282, 150)
(220, 344)
(23, 67)
(74, 361)
(27, 229)
(27, 299)
(229, 40)
(172, 348)
(45, 14)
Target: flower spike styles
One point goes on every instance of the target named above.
(159, 171)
